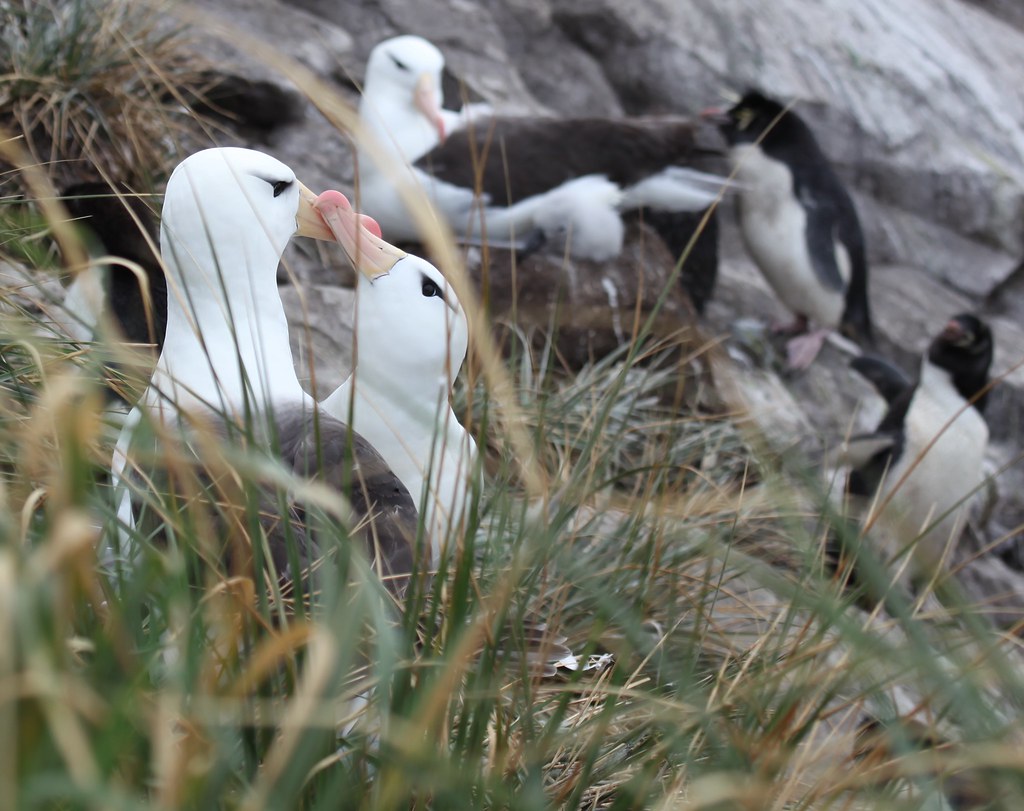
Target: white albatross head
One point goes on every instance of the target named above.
(228, 215)
(412, 334)
(402, 96)
(229, 203)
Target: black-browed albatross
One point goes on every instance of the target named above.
(228, 215)
(413, 331)
(566, 177)
(411, 340)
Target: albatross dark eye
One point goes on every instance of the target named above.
(398, 63)
(279, 186)
(431, 289)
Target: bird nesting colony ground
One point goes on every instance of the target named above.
(668, 543)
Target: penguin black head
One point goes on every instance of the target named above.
(127, 228)
(118, 216)
(964, 349)
(756, 117)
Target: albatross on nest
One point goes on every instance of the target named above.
(228, 215)
(411, 340)
(568, 178)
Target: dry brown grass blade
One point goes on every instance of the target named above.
(270, 655)
(302, 708)
(100, 86)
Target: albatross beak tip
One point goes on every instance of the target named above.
(332, 198)
(358, 234)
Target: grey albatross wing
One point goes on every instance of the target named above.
(511, 158)
(384, 518)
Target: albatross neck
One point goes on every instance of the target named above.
(398, 127)
(412, 406)
(226, 329)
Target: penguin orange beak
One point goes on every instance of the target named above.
(715, 115)
(358, 234)
(425, 99)
(955, 334)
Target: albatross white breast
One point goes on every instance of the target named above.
(227, 217)
(411, 340)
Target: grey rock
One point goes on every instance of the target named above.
(1007, 10)
(320, 327)
(910, 100)
(308, 38)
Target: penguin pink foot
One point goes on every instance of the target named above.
(803, 349)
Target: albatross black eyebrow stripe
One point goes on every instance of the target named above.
(278, 184)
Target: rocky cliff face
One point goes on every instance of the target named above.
(913, 101)
(910, 99)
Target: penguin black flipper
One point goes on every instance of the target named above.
(834, 235)
(821, 232)
(856, 323)
(888, 379)
(127, 228)
(889, 438)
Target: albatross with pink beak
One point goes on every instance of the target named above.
(411, 340)
(568, 179)
(228, 215)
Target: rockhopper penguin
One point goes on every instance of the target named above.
(798, 223)
(930, 446)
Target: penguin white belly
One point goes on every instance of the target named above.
(941, 482)
(774, 227)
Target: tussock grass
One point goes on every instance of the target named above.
(96, 88)
(742, 672)
(737, 684)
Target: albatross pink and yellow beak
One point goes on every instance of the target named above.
(358, 234)
(425, 99)
(308, 221)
